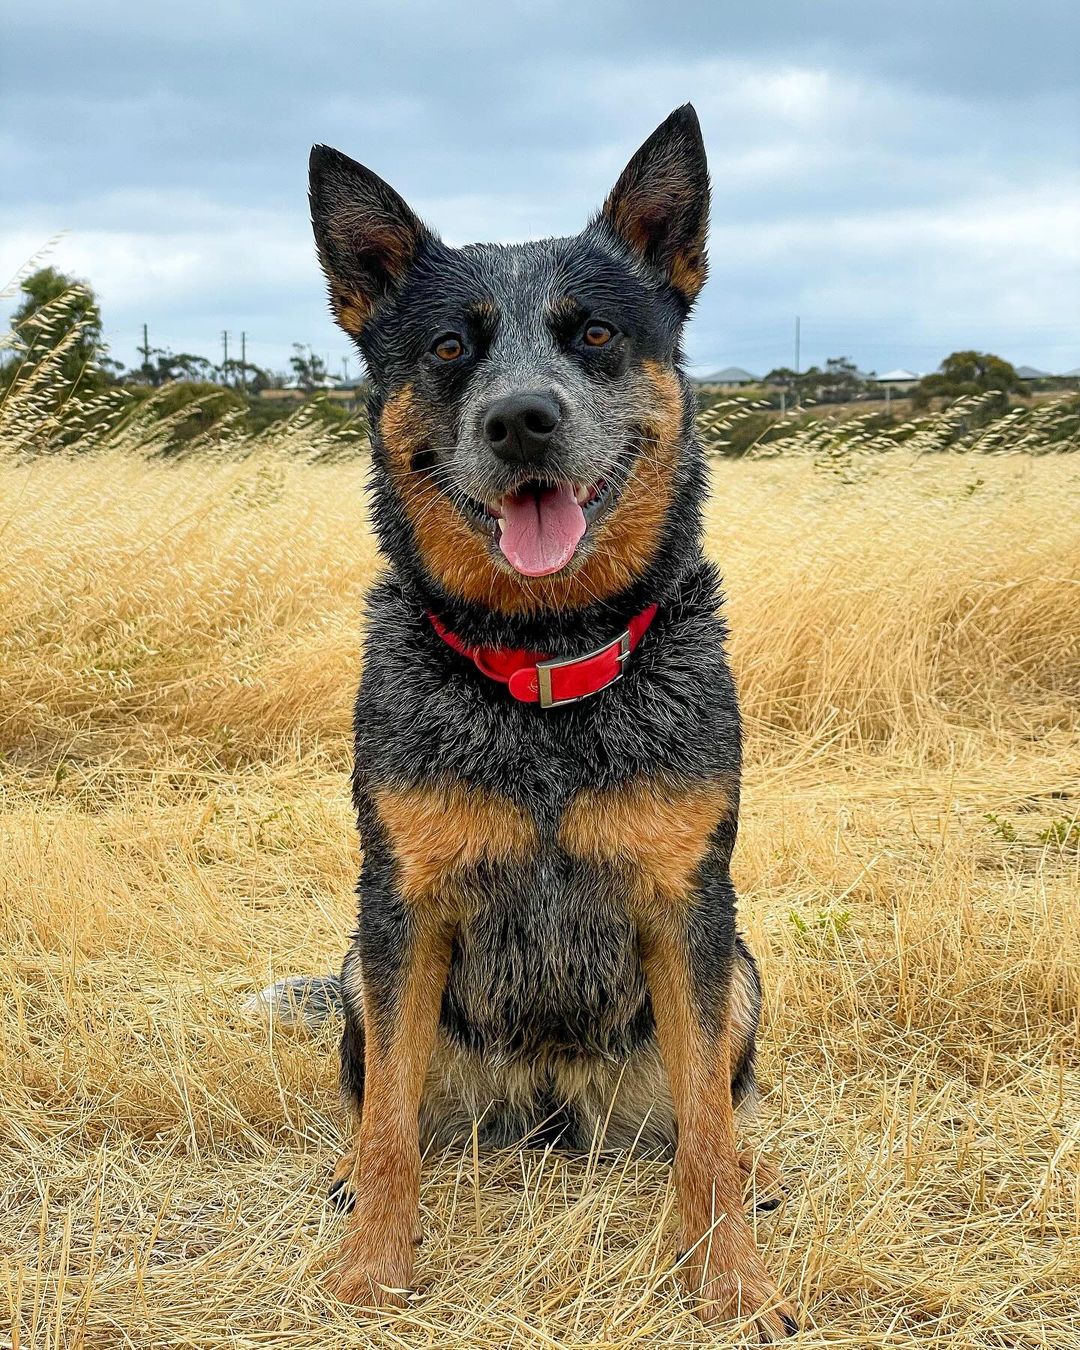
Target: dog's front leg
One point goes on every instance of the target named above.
(404, 955)
(719, 1263)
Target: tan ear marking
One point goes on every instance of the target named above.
(688, 272)
(351, 309)
(659, 208)
(366, 234)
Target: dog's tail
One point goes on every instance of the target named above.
(302, 1001)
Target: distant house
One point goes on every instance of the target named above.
(731, 377)
(351, 393)
(897, 379)
(1030, 373)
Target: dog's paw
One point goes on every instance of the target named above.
(763, 1182)
(341, 1196)
(341, 1193)
(373, 1271)
(376, 1285)
(747, 1295)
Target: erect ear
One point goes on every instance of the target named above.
(659, 208)
(366, 235)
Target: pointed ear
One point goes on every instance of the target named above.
(659, 208)
(366, 235)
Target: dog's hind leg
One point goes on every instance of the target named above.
(342, 1192)
(762, 1180)
(745, 1014)
(406, 955)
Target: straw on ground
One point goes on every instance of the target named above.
(178, 652)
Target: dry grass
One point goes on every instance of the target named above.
(178, 650)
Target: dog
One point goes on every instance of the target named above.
(547, 736)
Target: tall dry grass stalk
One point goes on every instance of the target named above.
(178, 651)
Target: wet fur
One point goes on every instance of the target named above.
(535, 881)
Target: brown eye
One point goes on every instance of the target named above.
(448, 348)
(598, 334)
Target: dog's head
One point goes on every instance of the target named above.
(531, 429)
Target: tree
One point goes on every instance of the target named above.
(61, 310)
(787, 380)
(783, 377)
(244, 375)
(309, 369)
(963, 374)
(841, 381)
(254, 378)
(161, 366)
(188, 366)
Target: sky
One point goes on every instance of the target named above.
(905, 178)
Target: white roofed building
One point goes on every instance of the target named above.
(898, 379)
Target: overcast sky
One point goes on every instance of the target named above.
(906, 177)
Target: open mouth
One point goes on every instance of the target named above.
(540, 524)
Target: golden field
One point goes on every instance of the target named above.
(178, 653)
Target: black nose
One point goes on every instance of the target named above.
(519, 426)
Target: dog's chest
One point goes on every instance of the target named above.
(545, 958)
(636, 843)
(548, 905)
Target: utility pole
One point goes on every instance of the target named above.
(243, 359)
(225, 360)
(798, 325)
(145, 348)
(345, 369)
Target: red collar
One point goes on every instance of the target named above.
(533, 679)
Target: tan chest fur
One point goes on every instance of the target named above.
(656, 835)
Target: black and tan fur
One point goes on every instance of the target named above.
(547, 934)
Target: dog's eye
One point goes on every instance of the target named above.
(449, 347)
(598, 334)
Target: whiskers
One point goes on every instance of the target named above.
(588, 585)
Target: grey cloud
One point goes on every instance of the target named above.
(174, 141)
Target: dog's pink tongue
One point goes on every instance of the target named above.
(541, 530)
